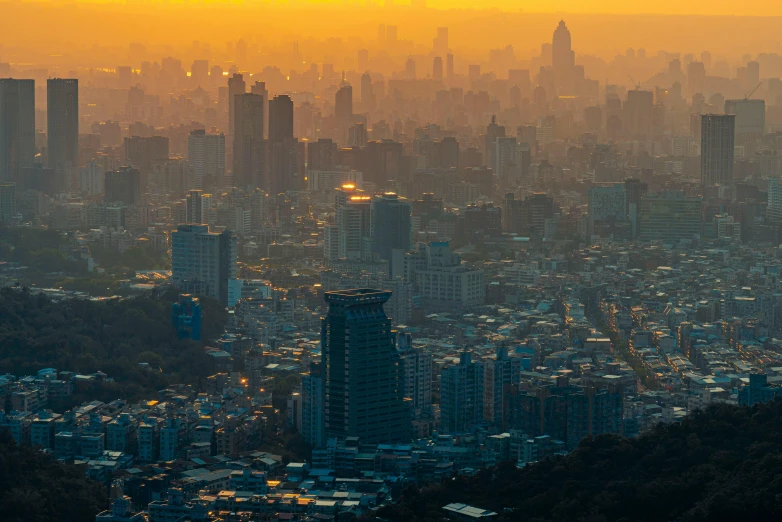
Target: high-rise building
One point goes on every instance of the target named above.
(499, 374)
(493, 131)
(343, 111)
(62, 114)
(638, 117)
(206, 153)
(17, 127)
(774, 210)
(449, 66)
(145, 154)
(313, 406)
(562, 58)
(461, 395)
(363, 374)
(353, 211)
(750, 124)
(437, 68)
(7, 200)
(717, 149)
(384, 161)
(204, 263)
(670, 217)
(197, 206)
(321, 154)
(606, 204)
(440, 44)
(367, 93)
(249, 147)
(280, 119)
(392, 226)
(92, 178)
(417, 364)
(122, 186)
(236, 87)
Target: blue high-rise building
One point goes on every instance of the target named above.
(186, 317)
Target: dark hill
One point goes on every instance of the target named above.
(721, 464)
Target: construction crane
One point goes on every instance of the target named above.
(636, 84)
(748, 96)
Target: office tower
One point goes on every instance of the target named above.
(206, 153)
(606, 205)
(357, 136)
(750, 124)
(122, 186)
(391, 224)
(449, 153)
(634, 191)
(437, 69)
(461, 395)
(638, 114)
(7, 200)
(562, 56)
(410, 68)
(62, 115)
(670, 217)
(717, 149)
(280, 119)
(259, 88)
(528, 134)
(367, 93)
(353, 217)
(343, 110)
(197, 206)
(145, 153)
(499, 374)
(440, 44)
(417, 364)
(753, 74)
(199, 72)
(493, 131)
(384, 161)
(249, 147)
(17, 127)
(92, 178)
(774, 210)
(381, 35)
(449, 66)
(204, 263)
(312, 406)
(236, 87)
(696, 77)
(363, 391)
(507, 162)
(321, 154)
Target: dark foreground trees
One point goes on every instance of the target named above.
(109, 336)
(36, 488)
(722, 464)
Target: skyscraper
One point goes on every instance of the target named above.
(236, 86)
(364, 383)
(280, 119)
(563, 57)
(392, 226)
(638, 114)
(312, 406)
(62, 113)
(461, 395)
(499, 373)
(449, 66)
(437, 69)
(206, 153)
(122, 186)
(204, 263)
(197, 207)
(606, 204)
(717, 142)
(17, 127)
(249, 147)
(750, 123)
(367, 92)
(343, 110)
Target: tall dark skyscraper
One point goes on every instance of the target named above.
(562, 56)
(287, 155)
(717, 142)
(343, 111)
(364, 394)
(236, 86)
(17, 127)
(391, 224)
(63, 130)
(249, 147)
(367, 92)
(280, 118)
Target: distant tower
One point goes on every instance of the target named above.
(717, 149)
(17, 127)
(410, 68)
(63, 130)
(437, 68)
(367, 92)
(563, 57)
